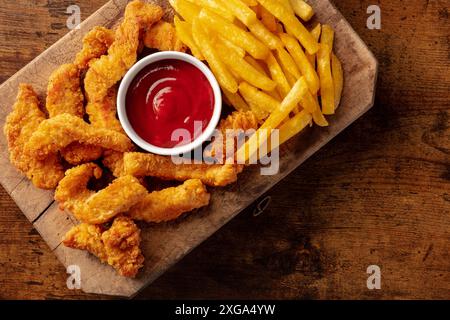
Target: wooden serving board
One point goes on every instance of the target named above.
(164, 244)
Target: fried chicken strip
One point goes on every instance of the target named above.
(118, 246)
(64, 92)
(97, 207)
(146, 164)
(20, 125)
(162, 36)
(106, 71)
(95, 44)
(54, 134)
(168, 204)
(230, 127)
(113, 160)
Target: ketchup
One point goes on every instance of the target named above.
(168, 95)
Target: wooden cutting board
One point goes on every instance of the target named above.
(164, 244)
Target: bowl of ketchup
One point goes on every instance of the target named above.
(169, 103)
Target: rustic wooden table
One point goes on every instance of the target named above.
(379, 194)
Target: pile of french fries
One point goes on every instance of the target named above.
(266, 61)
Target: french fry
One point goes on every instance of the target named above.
(238, 50)
(294, 96)
(215, 7)
(184, 33)
(302, 62)
(287, 4)
(243, 69)
(277, 75)
(201, 38)
(187, 10)
(250, 3)
(255, 97)
(293, 126)
(288, 63)
(326, 80)
(264, 35)
(292, 24)
(315, 32)
(268, 20)
(236, 100)
(240, 10)
(233, 33)
(302, 9)
(319, 118)
(338, 79)
(263, 69)
(309, 103)
(327, 36)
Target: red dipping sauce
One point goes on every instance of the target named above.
(167, 95)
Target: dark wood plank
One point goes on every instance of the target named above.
(378, 194)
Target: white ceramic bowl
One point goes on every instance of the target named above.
(131, 74)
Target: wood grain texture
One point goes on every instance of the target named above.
(378, 194)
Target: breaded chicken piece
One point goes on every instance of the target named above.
(64, 92)
(20, 124)
(97, 207)
(118, 246)
(102, 113)
(163, 36)
(52, 135)
(230, 128)
(106, 71)
(147, 164)
(95, 44)
(113, 160)
(168, 204)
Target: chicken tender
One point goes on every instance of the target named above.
(64, 92)
(170, 203)
(95, 44)
(230, 128)
(20, 124)
(146, 164)
(113, 160)
(97, 207)
(163, 36)
(118, 246)
(54, 134)
(106, 71)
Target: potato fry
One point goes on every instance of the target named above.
(264, 35)
(326, 80)
(261, 67)
(293, 126)
(302, 62)
(238, 50)
(242, 68)
(250, 3)
(240, 10)
(315, 32)
(268, 20)
(287, 4)
(277, 75)
(318, 117)
(327, 36)
(309, 103)
(187, 10)
(233, 33)
(259, 98)
(184, 33)
(338, 79)
(288, 63)
(215, 7)
(224, 77)
(236, 100)
(276, 117)
(302, 9)
(292, 24)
